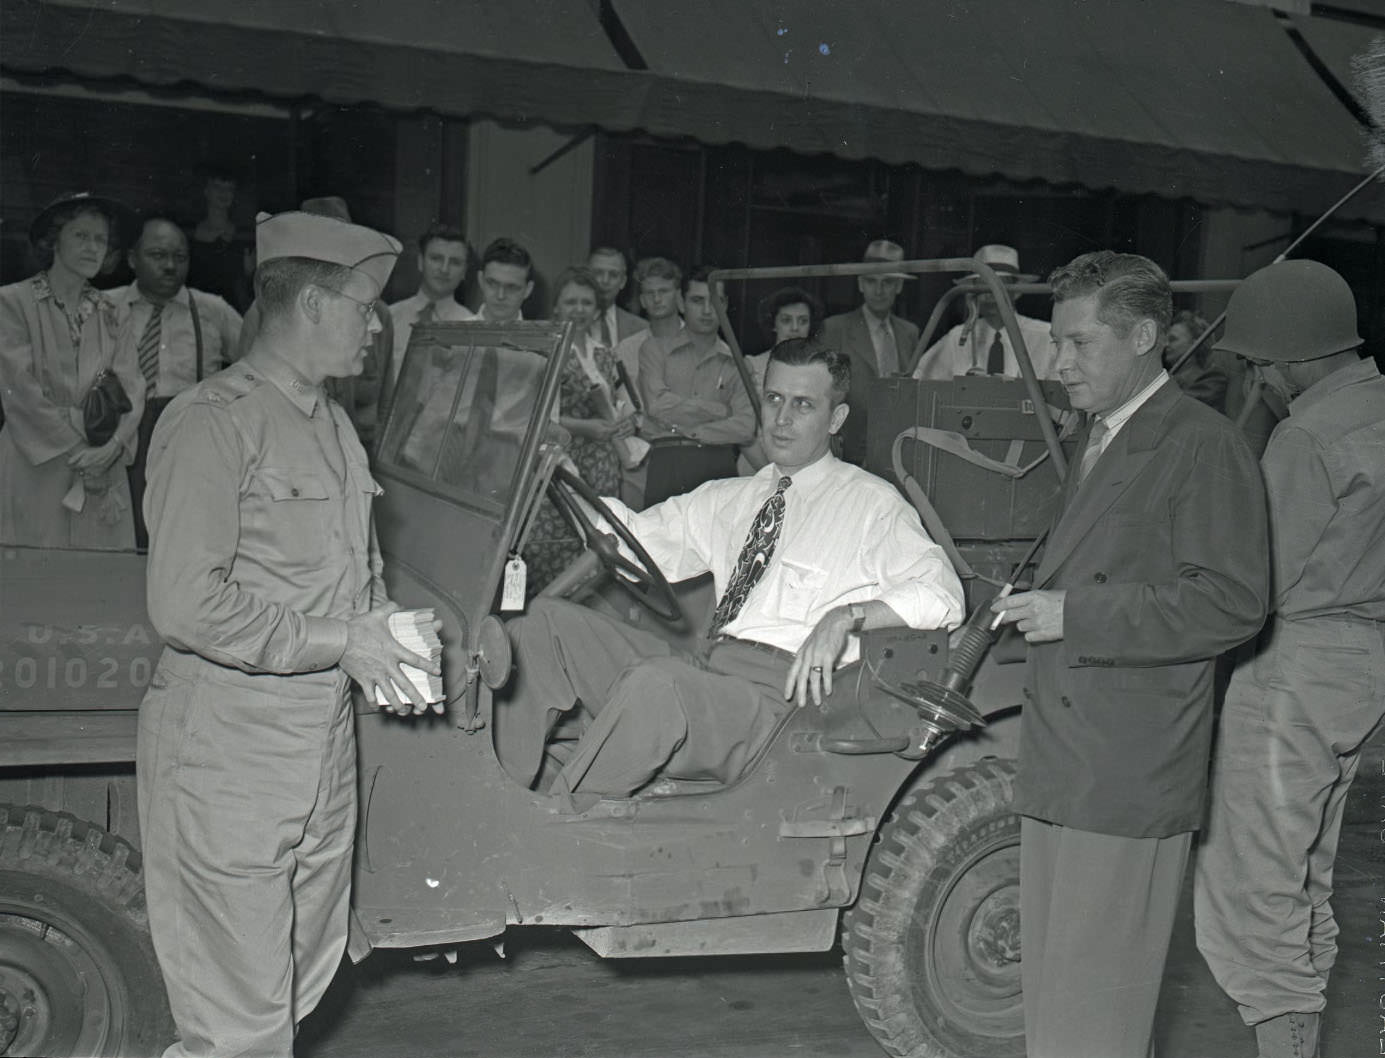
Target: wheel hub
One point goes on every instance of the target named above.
(995, 933)
(26, 1016)
(53, 997)
(10, 1012)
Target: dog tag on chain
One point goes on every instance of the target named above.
(516, 577)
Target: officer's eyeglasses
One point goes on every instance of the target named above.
(367, 308)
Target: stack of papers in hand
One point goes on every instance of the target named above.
(413, 629)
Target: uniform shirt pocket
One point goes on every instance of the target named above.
(295, 515)
(285, 484)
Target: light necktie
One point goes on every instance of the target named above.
(995, 358)
(149, 349)
(755, 554)
(887, 351)
(427, 314)
(1093, 451)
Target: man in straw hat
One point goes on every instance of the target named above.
(1305, 700)
(265, 582)
(877, 342)
(981, 345)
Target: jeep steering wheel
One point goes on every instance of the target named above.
(642, 579)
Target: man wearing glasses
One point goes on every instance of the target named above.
(180, 335)
(507, 280)
(265, 583)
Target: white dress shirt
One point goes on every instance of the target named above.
(480, 314)
(848, 536)
(1116, 419)
(950, 356)
(405, 314)
(219, 322)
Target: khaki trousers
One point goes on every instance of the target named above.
(247, 804)
(1096, 916)
(1296, 715)
(645, 709)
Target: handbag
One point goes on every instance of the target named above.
(102, 408)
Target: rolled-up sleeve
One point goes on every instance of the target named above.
(916, 579)
(195, 602)
(675, 533)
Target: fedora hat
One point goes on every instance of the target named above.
(121, 216)
(884, 250)
(1003, 260)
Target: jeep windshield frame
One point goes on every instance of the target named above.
(460, 456)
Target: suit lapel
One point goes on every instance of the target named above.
(861, 348)
(1119, 467)
(903, 349)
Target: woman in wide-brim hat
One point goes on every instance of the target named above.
(57, 334)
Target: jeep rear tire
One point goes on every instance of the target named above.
(77, 968)
(933, 943)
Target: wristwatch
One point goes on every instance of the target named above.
(857, 612)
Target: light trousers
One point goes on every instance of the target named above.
(645, 709)
(1296, 715)
(247, 806)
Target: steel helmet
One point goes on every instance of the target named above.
(1291, 310)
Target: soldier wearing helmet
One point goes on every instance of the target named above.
(1307, 694)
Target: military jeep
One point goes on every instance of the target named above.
(879, 820)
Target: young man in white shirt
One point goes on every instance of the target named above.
(804, 556)
(507, 280)
(658, 281)
(442, 256)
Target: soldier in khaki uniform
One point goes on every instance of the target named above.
(265, 582)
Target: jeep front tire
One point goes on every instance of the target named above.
(77, 969)
(933, 943)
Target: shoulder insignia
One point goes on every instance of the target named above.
(228, 385)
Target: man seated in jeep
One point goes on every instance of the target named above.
(804, 555)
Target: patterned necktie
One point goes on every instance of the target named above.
(149, 348)
(887, 350)
(755, 554)
(995, 358)
(427, 314)
(606, 334)
(1093, 452)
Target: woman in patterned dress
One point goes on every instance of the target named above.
(588, 389)
(57, 333)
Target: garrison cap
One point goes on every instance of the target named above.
(299, 234)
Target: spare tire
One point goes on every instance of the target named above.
(933, 943)
(77, 969)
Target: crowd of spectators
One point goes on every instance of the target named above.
(654, 402)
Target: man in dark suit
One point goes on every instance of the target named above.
(878, 342)
(1157, 564)
(613, 323)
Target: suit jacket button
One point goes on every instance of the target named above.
(1099, 577)
(1067, 702)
